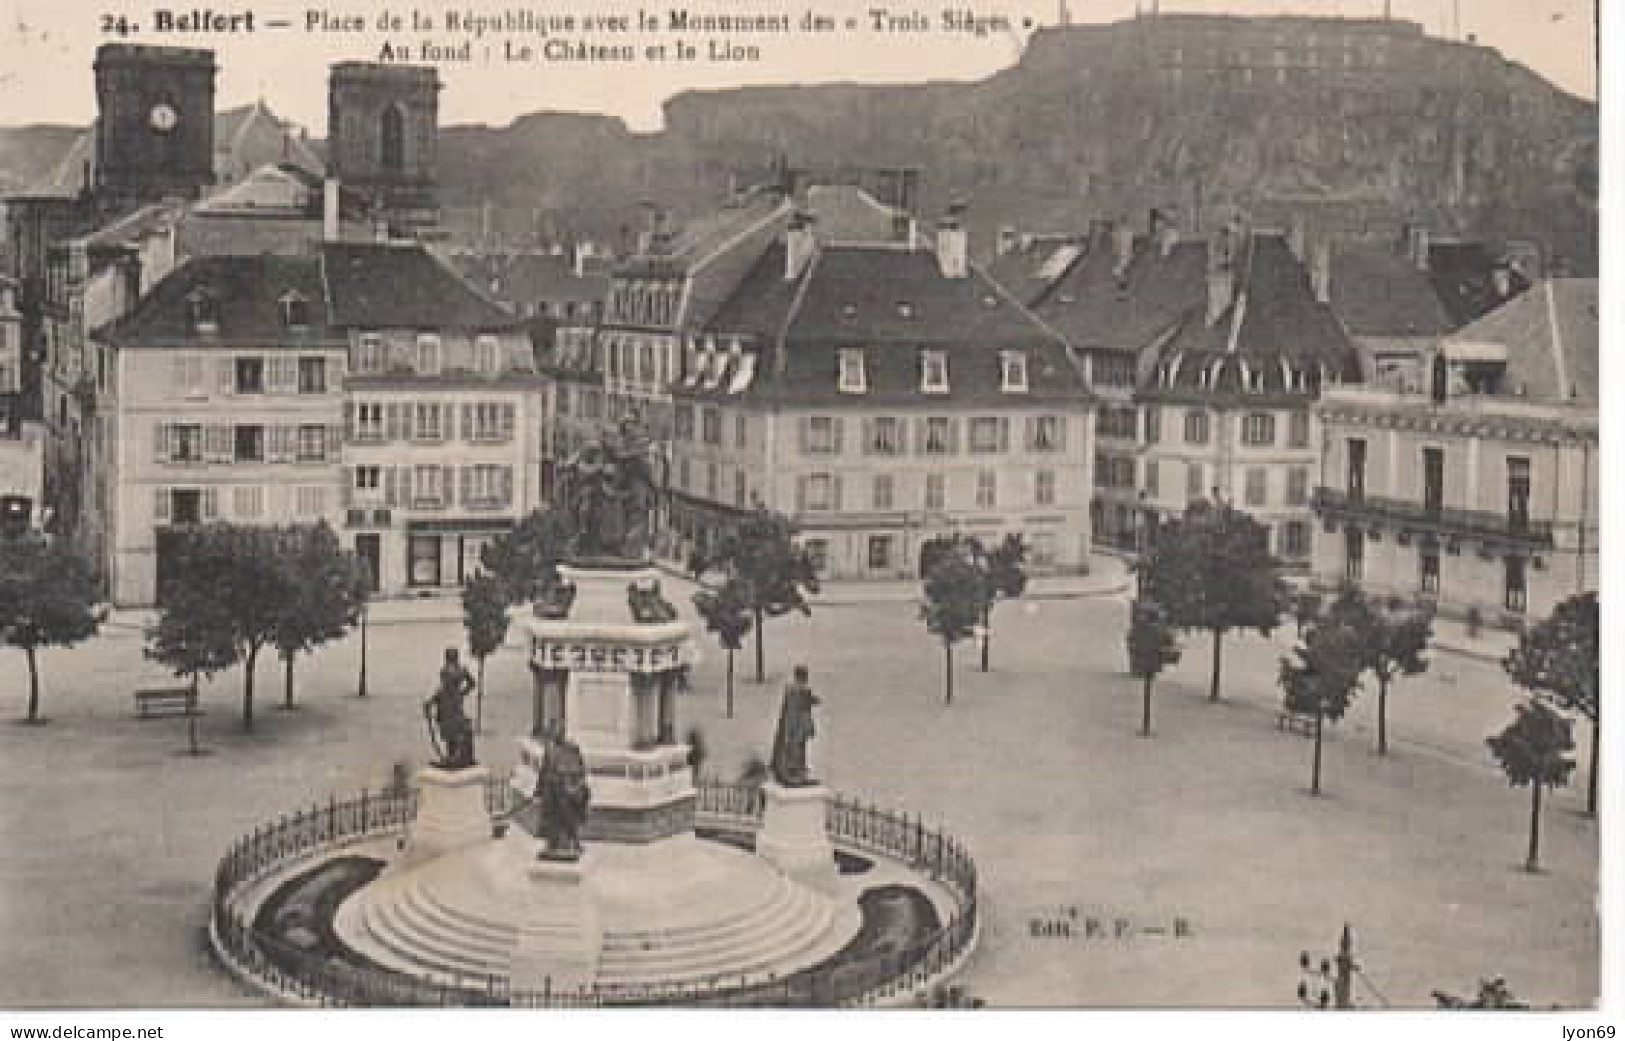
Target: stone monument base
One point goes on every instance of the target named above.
(558, 935)
(451, 813)
(794, 836)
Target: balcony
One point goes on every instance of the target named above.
(1374, 511)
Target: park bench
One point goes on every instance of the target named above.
(165, 701)
(1295, 722)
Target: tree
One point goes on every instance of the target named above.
(1533, 750)
(326, 590)
(193, 640)
(1152, 647)
(1211, 569)
(230, 585)
(1306, 605)
(1323, 680)
(728, 615)
(485, 616)
(1558, 659)
(774, 573)
(1006, 573)
(1392, 637)
(525, 560)
(47, 599)
(956, 596)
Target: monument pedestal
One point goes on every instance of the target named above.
(558, 935)
(451, 813)
(795, 836)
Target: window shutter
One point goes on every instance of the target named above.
(390, 493)
(868, 445)
(335, 442)
(835, 494)
(219, 450)
(1060, 433)
(1004, 434)
(211, 503)
(466, 477)
(227, 369)
(901, 426)
(448, 485)
(408, 421)
(836, 426)
(953, 436)
(408, 486)
(505, 485)
(160, 443)
(801, 495)
(507, 422)
(349, 420)
(468, 423)
(1030, 426)
(392, 421)
(160, 504)
(920, 439)
(347, 492)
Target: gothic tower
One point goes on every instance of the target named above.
(382, 131)
(155, 123)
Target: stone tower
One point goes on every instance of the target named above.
(382, 131)
(155, 123)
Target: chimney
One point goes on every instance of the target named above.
(1320, 272)
(1501, 281)
(799, 245)
(953, 247)
(1220, 282)
(1421, 244)
(1296, 237)
(1008, 240)
(330, 210)
(1122, 249)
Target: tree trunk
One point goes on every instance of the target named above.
(948, 672)
(987, 634)
(479, 695)
(1314, 779)
(761, 661)
(287, 681)
(1145, 711)
(1218, 642)
(729, 685)
(1382, 715)
(1591, 783)
(33, 687)
(248, 688)
(1533, 863)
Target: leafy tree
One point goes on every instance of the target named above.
(230, 584)
(728, 615)
(1392, 637)
(956, 596)
(485, 616)
(773, 572)
(1152, 647)
(526, 559)
(1211, 569)
(1306, 605)
(1323, 680)
(193, 639)
(326, 589)
(47, 599)
(1558, 659)
(1533, 750)
(1003, 569)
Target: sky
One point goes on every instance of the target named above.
(46, 48)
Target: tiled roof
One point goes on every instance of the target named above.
(375, 285)
(546, 277)
(246, 290)
(1377, 292)
(1094, 309)
(1551, 336)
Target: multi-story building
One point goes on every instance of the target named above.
(221, 400)
(11, 355)
(882, 394)
(443, 408)
(1480, 490)
(22, 443)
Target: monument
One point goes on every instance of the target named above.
(794, 836)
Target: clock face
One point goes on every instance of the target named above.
(163, 117)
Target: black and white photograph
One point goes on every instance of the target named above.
(589, 505)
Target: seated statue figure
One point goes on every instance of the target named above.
(561, 795)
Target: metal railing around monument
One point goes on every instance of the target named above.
(314, 978)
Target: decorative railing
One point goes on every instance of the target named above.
(1483, 525)
(313, 978)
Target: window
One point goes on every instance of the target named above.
(1297, 486)
(423, 560)
(1044, 488)
(937, 433)
(712, 420)
(1103, 470)
(712, 481)
(683, 474)
(1153, 478)
(1354, 554)
(203, 310)
(683, 420)
(371, 357)
(250, 376)
(880, 552)
(852, 376)
(593, 406)
(1153, 424)
(1295, 539)
(817, 555)
(312, 375)
(984, 435)
(1356, 461)
(368, 482)
(492, 421)
(1119, 423)
(883, 492)
(1013, 372)
(819, 492)
(987, 488)
(1517, 493)
(295, 310)
(1258, 429)
(487, 355)
(486, 485)
(1257, 483)
(428, 355)
(1195, 482)
(249, 444)
(1433, 480)
(312, 446)
(369, 421)
(309, 500)
(426, 485)
(186, 443)
(936, 492)
(933, 372)
(821, 435)
(883, 436)
(1049, 434)
(741, 431)
(426, 422)
(1196, 431)
(1427, 558)
(1297, 431)
(248, 502)
(1043, 543)
(740, 491)
(1517, 584)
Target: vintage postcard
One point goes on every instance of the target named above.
(801, 504)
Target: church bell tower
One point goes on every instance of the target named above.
(155, 123)
(382, 138)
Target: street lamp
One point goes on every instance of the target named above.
(366, 609)
(1328, 984)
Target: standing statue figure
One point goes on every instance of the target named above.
(444, 710)
(561, 795)
(789, 765)
(608, 489)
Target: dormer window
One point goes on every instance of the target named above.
(295, 310)
(1013, 372)
(486, 354)
(933, 372)
(203, 311)
(905, 309)
(428, 354)
(853, 379)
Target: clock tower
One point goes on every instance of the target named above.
(155, 123)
